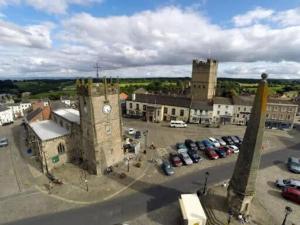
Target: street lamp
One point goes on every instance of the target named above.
(205, 183)
(146, 139)
(288, 210)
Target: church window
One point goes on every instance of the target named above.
(288, 117)
(137, 107)
(144, 107)
(218, 112)
(61, 123)
(237, 115)
(219, 106)
(195, 85)
(130, 105)
(61, 148)
(203, 86)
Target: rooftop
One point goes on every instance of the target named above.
(3, 108)
(47, 130)
(71, 115)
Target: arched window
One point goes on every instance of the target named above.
(61, 148)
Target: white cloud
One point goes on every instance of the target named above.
(36, 36)
(252, 17)
(149, 43)
(288, 18)
(50, 6)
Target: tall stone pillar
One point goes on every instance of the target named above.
(241, 188)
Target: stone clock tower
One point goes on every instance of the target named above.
(100, 123)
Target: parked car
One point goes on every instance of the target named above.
(228, 140)
(282, 183)
(191, 144)
(167, 168)
(200, 145)
(221, 141)
(181, 147)
(175, 160)
(234, 148)
(208, 145)
(186, 159)
(131, 131)
(221, 153)
(239, 138)
(3, 142)
(229, 151)
(214, 142)
(235, 140)
(194, 156)
(292, 194)
(293, 164)
(211, 154)
(137, 135)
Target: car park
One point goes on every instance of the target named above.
(194, 156)
(186, 159)
(221, 153)
(167, 168)
(235, 140)
(228, 140)
(200, 145)
(215, 143)
(292, 194)
(190, 144)
(282, 183)
(208, 144)
(221, 141)
(131, 131)
(181, 147)
(228, 150)
(234, 148)
(175, 160)
(293, 164)
(239, 138)
(137, 135)
(3, 142)
(211, 154)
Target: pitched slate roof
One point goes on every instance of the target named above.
(163, 100)
(222, 101)
(3, 108)
(33, 114)
(202, 105)
(71, 115)
(243, 100)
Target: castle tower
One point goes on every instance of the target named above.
(241, 188)
(100, 123)
(204, 79)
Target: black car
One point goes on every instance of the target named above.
(191, 144)
(194, 156)
(228, 140)
(200, 145)
(137, 135)
(221, 153)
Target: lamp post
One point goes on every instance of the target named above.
(146, 139)
(288, 210)
(205, 183)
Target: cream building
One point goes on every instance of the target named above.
(6, 115)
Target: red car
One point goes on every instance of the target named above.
(211, 154)
(175, 160)
(226, 149)
(292, 194)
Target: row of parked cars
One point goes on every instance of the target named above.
(290, 187)
(189, 151)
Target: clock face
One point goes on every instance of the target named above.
(106, 109)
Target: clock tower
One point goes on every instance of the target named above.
(100, 125)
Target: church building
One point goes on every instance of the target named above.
(90, 136)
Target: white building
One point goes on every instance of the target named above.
(6, 115)
(18, 109)
(223, 109)
(25, 106)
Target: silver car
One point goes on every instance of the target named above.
(3, 142)
(186, 159)
(282, 183)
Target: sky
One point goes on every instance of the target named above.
(148, 38)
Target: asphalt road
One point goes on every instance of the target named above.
(149, 197)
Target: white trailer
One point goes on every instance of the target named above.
(191, 209)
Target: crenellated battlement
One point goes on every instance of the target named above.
(86, 87)
(197, 64)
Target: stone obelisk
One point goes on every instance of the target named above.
(241, 187)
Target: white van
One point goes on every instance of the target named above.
(177, 123)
